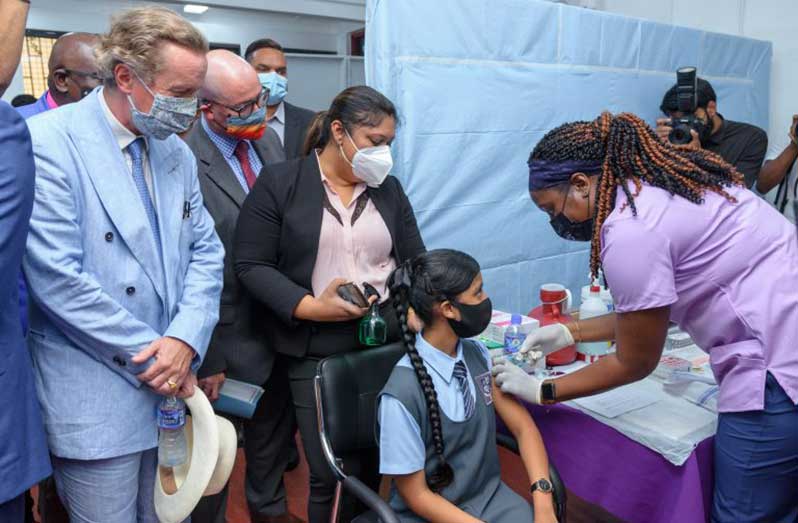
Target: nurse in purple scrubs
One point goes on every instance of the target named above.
(680, 239)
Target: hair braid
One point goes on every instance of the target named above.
(422, 283)
(443, 474)
(630, 151)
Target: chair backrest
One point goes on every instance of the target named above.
(348, 385)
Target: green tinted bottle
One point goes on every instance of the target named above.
(373, 331)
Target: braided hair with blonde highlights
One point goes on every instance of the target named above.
(630, 151)
(421, 283)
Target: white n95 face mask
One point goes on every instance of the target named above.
(370, 164)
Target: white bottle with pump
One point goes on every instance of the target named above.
(591, 307)
(606, 296)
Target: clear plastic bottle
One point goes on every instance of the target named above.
(513, 337)
(172, 446)
(593, 306)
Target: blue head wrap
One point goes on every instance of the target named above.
(547, 173)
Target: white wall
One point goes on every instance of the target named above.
(773, 20)
(312, 81)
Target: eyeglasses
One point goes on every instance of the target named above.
(90, 75)
(246, 109)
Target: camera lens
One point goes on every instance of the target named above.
(680, 135)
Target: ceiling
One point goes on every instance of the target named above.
(341, 9)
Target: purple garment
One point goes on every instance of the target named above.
(39, 106)
(729, 271)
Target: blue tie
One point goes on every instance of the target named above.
(141, 184)
(461, 374)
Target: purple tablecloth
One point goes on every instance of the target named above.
(602, 466)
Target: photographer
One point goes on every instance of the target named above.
(742, 145)
(777, 169)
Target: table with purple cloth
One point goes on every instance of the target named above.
(634, 483)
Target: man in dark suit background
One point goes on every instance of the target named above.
(288, 121)
(231, 144)
(72, 73)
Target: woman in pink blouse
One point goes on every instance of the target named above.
(311, 224)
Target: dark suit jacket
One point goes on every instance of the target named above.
(238, 345)
(277, 241)
(24, 455)
(297, 121)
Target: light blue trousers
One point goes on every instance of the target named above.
(114, 490)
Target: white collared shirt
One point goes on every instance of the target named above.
(277, 122)
(124, 138)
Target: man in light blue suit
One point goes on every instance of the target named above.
(123, 265)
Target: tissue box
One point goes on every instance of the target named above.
(238, 398)
(499, 323)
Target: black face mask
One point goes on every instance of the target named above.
(569, 230)
(474, 319)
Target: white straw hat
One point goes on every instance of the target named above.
(212, 443)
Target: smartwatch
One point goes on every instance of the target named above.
(547, 392)
(543, 485)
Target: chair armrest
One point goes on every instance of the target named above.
(508, 442)
(557, 484)
(370, 498)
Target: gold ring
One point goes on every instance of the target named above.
(172, 384)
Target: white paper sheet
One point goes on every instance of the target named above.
(628, 398)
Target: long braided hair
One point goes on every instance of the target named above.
(630, 151)
(421, 283)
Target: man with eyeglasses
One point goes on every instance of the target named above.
(73, 73)
(231, 143)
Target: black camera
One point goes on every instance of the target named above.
(687, 102)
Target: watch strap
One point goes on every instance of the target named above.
(542, 485)
(547, 391)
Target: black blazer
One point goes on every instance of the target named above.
(238, 344)
(297, 121)
(277, 240)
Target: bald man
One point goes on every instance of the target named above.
(72, 74)
(232, 143)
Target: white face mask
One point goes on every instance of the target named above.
(370, 164)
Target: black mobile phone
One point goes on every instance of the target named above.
(370, 291)
(353, 295)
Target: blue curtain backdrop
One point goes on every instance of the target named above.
(477, 84)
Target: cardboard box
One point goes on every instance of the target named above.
(499, 323)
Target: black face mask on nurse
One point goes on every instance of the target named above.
(570, 230)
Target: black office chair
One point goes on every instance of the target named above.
(346, 388)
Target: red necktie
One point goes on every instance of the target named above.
(242, 153)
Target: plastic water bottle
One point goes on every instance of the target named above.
(591, 307)
(172, 447)
(513, 337)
